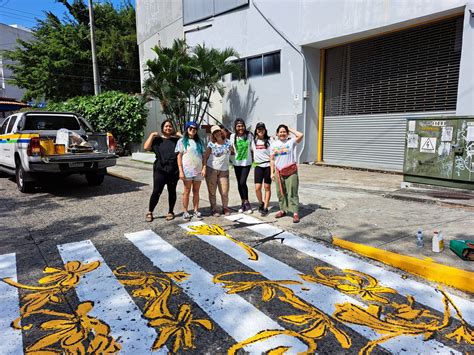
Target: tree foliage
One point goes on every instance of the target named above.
(56, 64)
(183, 79)
(121, 114)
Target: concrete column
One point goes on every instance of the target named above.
(465, 105)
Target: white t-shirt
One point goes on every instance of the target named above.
(219, 157)
(242, 146)
(283, 152)
(261, 153)
(192, 159)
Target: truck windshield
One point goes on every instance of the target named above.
(50, 122)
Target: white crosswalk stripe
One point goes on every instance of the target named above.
(273, 269)
(12, 342)
(112, 303)
(236, 316)
(423, 293)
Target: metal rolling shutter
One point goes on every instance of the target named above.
(373, 85)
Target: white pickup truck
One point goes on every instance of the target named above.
(28, 148)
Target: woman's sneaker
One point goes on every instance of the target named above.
(215, 213)
(264, 212)
(242, 208)
(197, 216)
(247, 208)
(261, 207)
(186, 216)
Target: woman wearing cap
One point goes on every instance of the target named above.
(242, 161)
(165, 168)
(284, 168)
(261, 157)
(217, 157)
(190, 151)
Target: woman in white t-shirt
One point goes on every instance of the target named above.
(217, 156)
(190, 152)
(261, 158)
(284, 168)
(242, 161)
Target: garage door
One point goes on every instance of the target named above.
(373, 85)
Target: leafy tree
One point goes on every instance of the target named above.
(57, 64)
(121, 114)
(184, 79)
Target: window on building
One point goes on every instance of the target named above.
(263, 64)
(240, 62)
(254, 66)
(271, 63)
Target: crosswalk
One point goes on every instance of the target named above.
(259, 302)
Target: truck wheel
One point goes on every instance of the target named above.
(95, 179)
(20, 175)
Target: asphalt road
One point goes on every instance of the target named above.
(90, 275)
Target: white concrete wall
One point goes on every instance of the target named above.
(159, 22)
(465, 105)
(8, 37)
(273, 99)
(319, 24)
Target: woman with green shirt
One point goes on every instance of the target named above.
(242, 161)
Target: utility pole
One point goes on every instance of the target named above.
(95, 66)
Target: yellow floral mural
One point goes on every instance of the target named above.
(313, 322)
(352, 283)
(214, 229)
(157, 289)
(74, 333)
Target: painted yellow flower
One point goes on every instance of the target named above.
(352, 283)
(179, 328)
(214, 229)
(269, 288)
(267, 334)
(71, 274)
(73, 330)
(156, 288)
(407, 312)
(463, 333)
(390, 325)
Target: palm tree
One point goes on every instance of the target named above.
(184, 80)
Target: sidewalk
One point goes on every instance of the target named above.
(362, 207)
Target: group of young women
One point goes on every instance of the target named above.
(187, 158)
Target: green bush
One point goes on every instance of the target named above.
(121, 114)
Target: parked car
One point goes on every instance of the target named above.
(30, 147)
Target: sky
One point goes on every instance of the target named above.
(24, 12)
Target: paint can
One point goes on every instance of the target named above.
(437, 243)
(47, 147)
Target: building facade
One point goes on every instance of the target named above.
(346, 73)
(8, 36)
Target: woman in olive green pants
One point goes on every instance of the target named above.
(283, 167)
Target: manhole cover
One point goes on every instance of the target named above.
(451, 195)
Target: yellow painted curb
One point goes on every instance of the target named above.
(460, 279)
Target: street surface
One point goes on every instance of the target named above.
(82, 272)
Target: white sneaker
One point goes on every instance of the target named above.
(197, 215)
(186, 216)
(241, 209)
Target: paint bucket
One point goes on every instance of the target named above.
(47, 147)
(60, 149)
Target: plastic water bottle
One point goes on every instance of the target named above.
(419, 238)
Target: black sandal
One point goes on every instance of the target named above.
(169, 216)
(149, 217)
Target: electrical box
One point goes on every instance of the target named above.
(440, 151)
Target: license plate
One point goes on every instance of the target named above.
(76, 165)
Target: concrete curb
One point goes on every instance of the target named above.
(402, 197)
(447, 275)
(123, 177)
